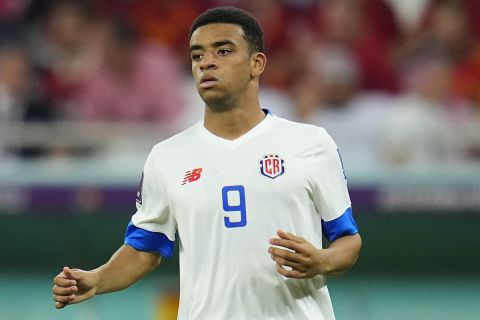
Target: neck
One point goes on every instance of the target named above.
(234, 122)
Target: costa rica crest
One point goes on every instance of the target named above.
(272, 166)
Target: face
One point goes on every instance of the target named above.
(14, 71)
(222, 64)
(65, 25)
(449, 25)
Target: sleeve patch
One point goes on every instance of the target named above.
(344, 225)
(341, 162)
(145, 240)
(139, 197)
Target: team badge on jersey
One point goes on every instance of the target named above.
(271, 166)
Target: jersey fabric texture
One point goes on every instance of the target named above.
(223, 200)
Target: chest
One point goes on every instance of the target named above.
(259, 171)
(249, 189)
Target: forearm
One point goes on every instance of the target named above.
(124, 268)
(342, 254)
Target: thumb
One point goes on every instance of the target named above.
(71, 274)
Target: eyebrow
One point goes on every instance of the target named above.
(216, 44)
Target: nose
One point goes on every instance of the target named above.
(208, 61)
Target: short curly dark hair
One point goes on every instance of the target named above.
(250, 26)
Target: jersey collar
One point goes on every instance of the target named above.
(249, 135)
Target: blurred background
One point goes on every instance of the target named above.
(88, 87)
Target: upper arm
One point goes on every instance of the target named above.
(148, 259)
(331, 193)
(152, 227)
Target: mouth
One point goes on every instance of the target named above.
(207, 82)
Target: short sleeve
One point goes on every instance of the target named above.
(331, 193)
(152, 227)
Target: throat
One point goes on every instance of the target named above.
(232, 124)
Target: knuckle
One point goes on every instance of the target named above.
(302, 269)
(295, 247)
(304, 260)
(280, 253)
(290, 245)
(290, 255)
(59, 291)
(61, 298)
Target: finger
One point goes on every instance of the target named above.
(81, 297)
(63, 299)
(60, 305)
(295, 246)
(64, 291)
(290, 264)
(289, 273)
(285, 254)
(289, 236)
(62, 281)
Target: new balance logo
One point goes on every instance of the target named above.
(192, 175)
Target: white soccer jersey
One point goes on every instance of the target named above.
(225, 199)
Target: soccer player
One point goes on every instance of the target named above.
(247, 195)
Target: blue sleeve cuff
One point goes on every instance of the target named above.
(342, 226)
(144, 240)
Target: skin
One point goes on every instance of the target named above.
(303, 260)
(232, 105)
(219, 53)
(125, 267)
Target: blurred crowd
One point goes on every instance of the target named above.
(394, 83)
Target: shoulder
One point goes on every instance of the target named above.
(177, 142)
(301, 130)
(308, 140)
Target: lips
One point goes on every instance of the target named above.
(207, 82)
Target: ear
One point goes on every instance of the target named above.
(258, 61)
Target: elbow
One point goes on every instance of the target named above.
(356, 248)
(155, 262)
(347, 251)
(358, 240)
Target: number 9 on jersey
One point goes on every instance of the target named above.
(233, 199)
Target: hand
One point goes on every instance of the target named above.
(302, 259)
(73, 286)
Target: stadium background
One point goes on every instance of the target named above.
(71, 156)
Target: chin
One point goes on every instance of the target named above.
(216, 102)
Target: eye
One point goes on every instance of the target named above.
(224, 52)
(197, 56)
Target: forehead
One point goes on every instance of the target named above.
(214, 32)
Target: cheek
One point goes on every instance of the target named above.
(241, 72)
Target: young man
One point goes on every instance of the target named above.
(247, 194)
